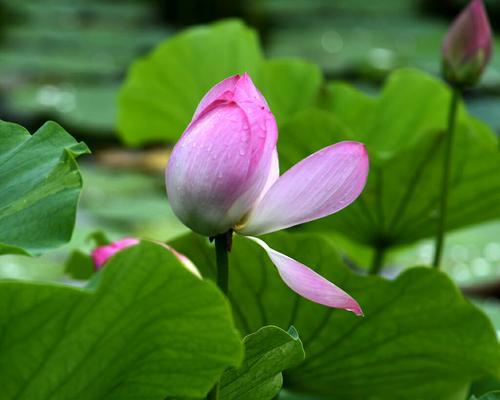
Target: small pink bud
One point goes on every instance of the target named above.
(467, 46)
(221, 164)
(101, 254)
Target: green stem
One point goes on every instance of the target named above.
(378, 259)
(443, 205)
(222, 248)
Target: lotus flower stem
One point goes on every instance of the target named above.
(222, 247)
(441, 227)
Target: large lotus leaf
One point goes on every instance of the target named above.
(419, 338)
(150, 329)
(39, 187)
(399, 203)
(162, 90)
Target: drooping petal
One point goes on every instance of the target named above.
(308, 283)
(221, 164)
(319, 185)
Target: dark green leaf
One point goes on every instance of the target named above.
(151, 329)
(416, 328)
(268, 351)
(39, 188)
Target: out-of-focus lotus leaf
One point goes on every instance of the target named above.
(404, 129)
(162, 90)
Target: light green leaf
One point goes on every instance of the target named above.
(39, 188)
(151, 329)
(416, 328)
(404, 130)
(268, 351)
(162, 90)
(288, 85)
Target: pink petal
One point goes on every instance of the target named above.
(222, 162)
(320, 185)
(101, 254)
(309, 284)
(239, 88)
(222, 91)
(274, 173)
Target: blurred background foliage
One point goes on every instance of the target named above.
(66, 59)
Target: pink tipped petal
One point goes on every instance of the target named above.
(239, 88)
(246, 91)
(320, 185)
(222, 91)
(102, 254)
(309, 284)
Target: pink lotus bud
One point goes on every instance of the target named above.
(221, 164)
(101, 254)
(467, 46)
(224, 174)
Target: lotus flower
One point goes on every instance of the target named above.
(223, 175)
(101, 254)
(467, 46)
